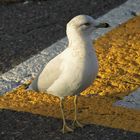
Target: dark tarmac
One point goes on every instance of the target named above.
(25, 126)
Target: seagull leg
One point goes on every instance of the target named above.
(65, 127)
(75, 122)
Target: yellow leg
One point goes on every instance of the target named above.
(65, 127)
(75, 122)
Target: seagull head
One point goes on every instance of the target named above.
(84, 25)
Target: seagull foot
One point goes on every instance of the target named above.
(66, 129)
(77, 124)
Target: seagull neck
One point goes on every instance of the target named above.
(80, 41)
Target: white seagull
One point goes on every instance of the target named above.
(73, 70)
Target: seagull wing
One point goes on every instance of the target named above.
(48, 75)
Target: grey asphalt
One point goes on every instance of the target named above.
(26, 29)
(26, 126)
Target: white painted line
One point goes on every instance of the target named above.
(131, 101)
(30, 67)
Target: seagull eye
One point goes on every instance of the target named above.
(87, 24)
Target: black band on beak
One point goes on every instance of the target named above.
(106, 25)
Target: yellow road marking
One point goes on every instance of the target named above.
(119, 57)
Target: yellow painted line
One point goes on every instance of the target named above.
(119, 57)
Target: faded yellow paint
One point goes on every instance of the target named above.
(119, 58)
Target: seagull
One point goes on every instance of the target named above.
(73, 70)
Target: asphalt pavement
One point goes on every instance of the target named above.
(26, 126)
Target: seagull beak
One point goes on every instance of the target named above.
(102, 25)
